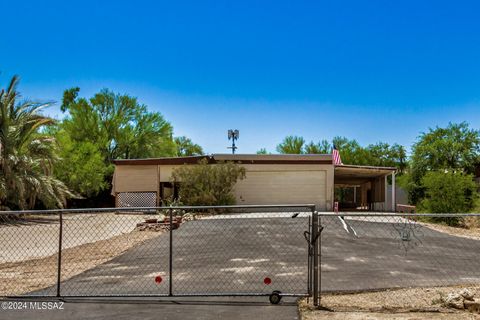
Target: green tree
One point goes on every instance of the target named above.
(322, 147)
(454, 148)
(206, 184)
(262, 151)
(185, 147)
(105, 127)
(291, 145)
(82, 166)
(350, 151)
(121, 127)
(448, 192)
(27, 156)
(384, 155)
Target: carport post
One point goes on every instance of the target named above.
(394, 195)
(59, 262)
(385, 203)
(170, 255)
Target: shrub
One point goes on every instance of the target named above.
(207, 184)
(448, 192)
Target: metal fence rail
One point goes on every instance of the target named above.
(159, 251)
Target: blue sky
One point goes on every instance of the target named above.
(369, 70)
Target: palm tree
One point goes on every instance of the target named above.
(27, 155)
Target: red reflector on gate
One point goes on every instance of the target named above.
(267, 280)
(158, 279)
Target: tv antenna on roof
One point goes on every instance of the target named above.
(233, 135)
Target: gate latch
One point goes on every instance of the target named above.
(306, 234)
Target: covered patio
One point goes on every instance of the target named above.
(364, 188)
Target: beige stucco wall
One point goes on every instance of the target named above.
(286, 184)
(136, 178)
(166, 172)
(268, 183)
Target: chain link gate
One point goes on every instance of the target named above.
(193, 251)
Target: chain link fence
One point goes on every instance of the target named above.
(397, 261)
(157, 251)
(361, 261)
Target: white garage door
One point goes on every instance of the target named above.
(282, 187)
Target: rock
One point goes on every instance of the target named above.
(188, 217)
(454, 300)
(472, 305)
(466, 294)
(151, 227)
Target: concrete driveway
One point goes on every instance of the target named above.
(242, 308)
(210, 256)
(390, 252)
(236, 255)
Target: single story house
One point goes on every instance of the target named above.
(270, 179)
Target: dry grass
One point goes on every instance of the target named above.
(472, 232)
(25, 276)
(412, 303)
(472, 222)
(326, 315)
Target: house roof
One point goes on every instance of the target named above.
(352, 174)
(241, 158)
(342, 172)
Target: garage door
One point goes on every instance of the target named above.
(282, 187)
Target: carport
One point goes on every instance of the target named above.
(363, 187)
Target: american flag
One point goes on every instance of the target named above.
(336, 156)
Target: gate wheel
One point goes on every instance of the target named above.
(275, 297)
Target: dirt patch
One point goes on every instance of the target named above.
(37, 236)
(472, 233)
(21, 277)
(412, 303)
(317, 315)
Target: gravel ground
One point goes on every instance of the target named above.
(473, 233)
(29, 247)
(21, 277)
(37, 237)
(325, 315)
(413, 303)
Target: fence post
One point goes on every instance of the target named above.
(315, 257)
(319, 251)
(59, 262)
(170, 255)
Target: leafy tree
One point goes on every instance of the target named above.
(27, 156)
(380, 154)
(120, 126)
(185, 147)
(351, 151)
(105, 127)
(206, 184)
(82, 167)
(322, 147)
(262, 151)
(454, 148)
(448, 192)
(291, 145)
(385, 155)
